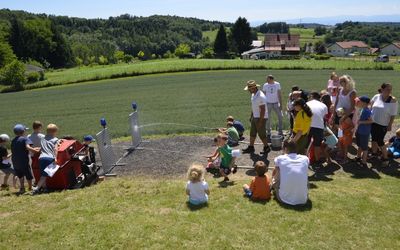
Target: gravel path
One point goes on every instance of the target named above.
(171, 157)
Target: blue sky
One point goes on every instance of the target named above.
(222, 10)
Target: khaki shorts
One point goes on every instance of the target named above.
(261, 131)
(302, 144)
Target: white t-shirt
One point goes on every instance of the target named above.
(257, 100)
(271, 92)
(382, 111)
(293, 187)
(319, 111)
(197, 190)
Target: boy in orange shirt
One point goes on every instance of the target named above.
(259, 188)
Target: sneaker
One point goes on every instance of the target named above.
(226, 179)
(248, 150)
(21, 191)
(36, 191)
(234, 169)
(356, 159)
(5, 187)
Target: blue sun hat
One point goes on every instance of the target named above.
(19, 129)
(88, 138)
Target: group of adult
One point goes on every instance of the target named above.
(312, 113)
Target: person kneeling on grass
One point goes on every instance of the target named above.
(290, 176)
(197, 187)
(233, 135)
(394, 145)
(5, 164)
(259, 188)
(48, 156)
(237, 125)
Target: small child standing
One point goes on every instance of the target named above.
(345, 134)
(259, 188)
(36, 137)
(363, 130)
(330, 142)
(237, 125)
(20, 149)
(5, 164)
(48, 155)
(394, 145)
(197, 187)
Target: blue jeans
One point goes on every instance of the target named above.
(277, 109)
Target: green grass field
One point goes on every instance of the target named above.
(306, 35)
(82, 74)
(200, 98)
(135, 213)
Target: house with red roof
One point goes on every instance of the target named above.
(275, 45)
(346, 48)
(392, 49)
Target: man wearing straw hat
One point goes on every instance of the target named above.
(259, 116)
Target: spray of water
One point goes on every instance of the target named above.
(176, 124)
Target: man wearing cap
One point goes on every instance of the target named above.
(272, 91)
(20, 149)
(259, 116)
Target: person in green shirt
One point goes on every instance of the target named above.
(233, 134)
(225, 153)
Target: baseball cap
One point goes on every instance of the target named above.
(19, 128)
(4, 137)
(364, 99)
(88, 138)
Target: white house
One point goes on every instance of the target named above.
(345, 48)
(392, 49)
(275, 45)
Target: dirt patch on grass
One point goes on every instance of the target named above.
(173, 155)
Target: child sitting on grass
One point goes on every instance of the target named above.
(394, 145)
(5, 164)
(237, 125)
(259, 188)
(233, 135)
(224, 153)
(197, 187)
(345, 134)
(20, 149)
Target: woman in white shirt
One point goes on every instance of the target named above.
(346, 98)
(384, 110)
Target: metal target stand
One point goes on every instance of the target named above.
(107, 155)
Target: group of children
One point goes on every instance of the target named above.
(222, 163)
(35, 149)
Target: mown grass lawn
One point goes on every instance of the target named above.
(199, 98)
(133, 213)
(81, 74)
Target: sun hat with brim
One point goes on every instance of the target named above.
(364, 99)
(4, 137)
(251, 84)
(19, 128)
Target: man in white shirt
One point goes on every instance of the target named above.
(259, 116)
(272, 91)
(290, 176)
(316, 133)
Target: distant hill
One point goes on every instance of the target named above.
(332, 20)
